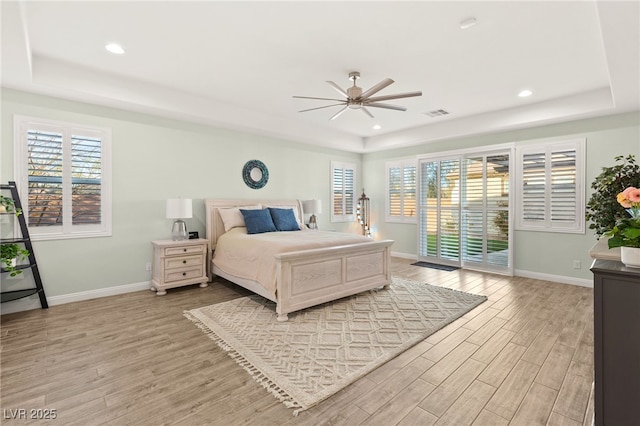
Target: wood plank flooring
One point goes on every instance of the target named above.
(524, 357)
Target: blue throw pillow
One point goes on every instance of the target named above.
(258, 221)
(284, 219)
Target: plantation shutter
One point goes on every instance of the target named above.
(63, 172)
(394, 209)
(86, 181)
(342, 191)
(409, 196)
(534, 194)
(401, 192)
(45, 204)
(563, 186)
(551, 196)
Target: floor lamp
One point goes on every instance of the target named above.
(363, 213)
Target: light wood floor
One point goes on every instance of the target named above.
(524, 357)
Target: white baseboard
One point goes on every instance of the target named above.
(563, 279)
(33, 302)
(404, 255)
(522, 273)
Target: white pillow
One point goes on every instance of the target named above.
(232, 217)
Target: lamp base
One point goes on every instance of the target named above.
(179, 231)
(313, 224)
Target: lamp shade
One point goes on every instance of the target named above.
(312, 206)
(179, 208)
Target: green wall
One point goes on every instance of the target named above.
(536, 252)
(155, 159)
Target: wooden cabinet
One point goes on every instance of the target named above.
(178, 263)
(616, 343)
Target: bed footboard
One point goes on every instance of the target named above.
(310, 277)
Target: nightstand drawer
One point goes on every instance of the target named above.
(183, 274)
(183, 261)
(174, 251)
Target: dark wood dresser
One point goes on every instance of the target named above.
(616, 343)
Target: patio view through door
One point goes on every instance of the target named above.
(464, 211)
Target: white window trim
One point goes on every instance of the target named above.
(401, 218)
(343, 217)
(21, 125)
(578, 226)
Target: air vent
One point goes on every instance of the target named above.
(437, 113)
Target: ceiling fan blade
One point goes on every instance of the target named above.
(338, 89)
(386, 106)
(339, 113)
(366, 111)
(326, 106)
(320, 99)
(396, 96)
(378, 87)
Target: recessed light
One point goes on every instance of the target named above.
(468, 23)
(377, 127)
(114, 48)
(525, 93)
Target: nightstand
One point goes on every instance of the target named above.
(178, 263)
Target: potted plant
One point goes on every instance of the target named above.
(626, 231)
(603, 208)
(7, 205)
(10, 255)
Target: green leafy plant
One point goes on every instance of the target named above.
(8, 252)
(7, 205)
(603, 209)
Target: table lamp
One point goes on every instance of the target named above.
(178, 209)
(313, 207)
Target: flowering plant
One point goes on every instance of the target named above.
(602, 209)
(626, 231)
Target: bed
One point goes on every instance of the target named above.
(319, 267)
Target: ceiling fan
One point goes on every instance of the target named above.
(357, 99)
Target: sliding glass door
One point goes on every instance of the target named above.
(439, 225)
(464, 217)
(485, 227)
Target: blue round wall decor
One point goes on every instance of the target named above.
(255, 174)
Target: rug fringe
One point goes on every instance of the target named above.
(257, 375)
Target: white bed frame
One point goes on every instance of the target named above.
(307, 277)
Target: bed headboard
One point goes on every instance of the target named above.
(215, 227)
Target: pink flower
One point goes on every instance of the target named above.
(629, 198)
(633, 195)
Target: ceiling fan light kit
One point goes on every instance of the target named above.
(357, 99)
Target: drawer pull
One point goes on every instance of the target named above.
(184, 261)
(184, 274)
(184, 250)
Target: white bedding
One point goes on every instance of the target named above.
(252, 256)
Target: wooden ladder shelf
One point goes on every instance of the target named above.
(7, 296)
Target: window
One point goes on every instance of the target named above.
(401, 191)
(551, 187)
(343, 183)
(63, 172)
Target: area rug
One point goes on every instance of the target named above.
(321, 350)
